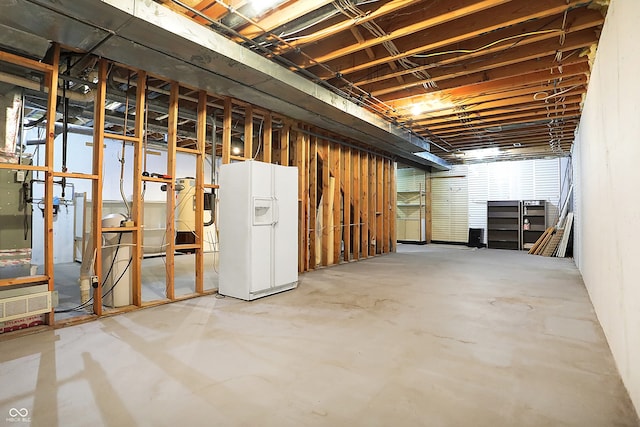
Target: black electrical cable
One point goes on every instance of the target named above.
(90, 300)
(119, 278)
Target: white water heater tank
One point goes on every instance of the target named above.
(186, 205)
(116, 264)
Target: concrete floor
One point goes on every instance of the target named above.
(433, 335)
(154, 283)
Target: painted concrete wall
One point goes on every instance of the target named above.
(607, 170)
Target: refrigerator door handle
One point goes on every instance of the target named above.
(276, 210)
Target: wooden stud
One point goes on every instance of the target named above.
(379, 205)
(348, 200)
(355, 160)
(302, 192)
(284, 144)
(427, 207)
(394, 206)
(313, 200)
(267, 139)
(201, 135)
(226, 131)
(172, 141)
(364, 202)
(136, 202)
(248, 132)
(336, 205)
(29, 63)
(372, 205)
(52, 83)
(97, 185)
(386, 208)
(326, 207)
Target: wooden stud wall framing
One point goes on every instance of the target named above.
(393, 207)
(171, 200)
(96, 189)
(364, 204)
(136, 202)
(348, 202)
(373, 227)
(323, 152)
(336, 205)
(313, 201)
(199, 231)
(346, 196)
(357, 212)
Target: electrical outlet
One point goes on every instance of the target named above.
(20, 176)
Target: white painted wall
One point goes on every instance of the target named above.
(607, 201)
(450, 205)
(79, 159)
(539, 179)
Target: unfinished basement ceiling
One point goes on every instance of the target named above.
(505, 77)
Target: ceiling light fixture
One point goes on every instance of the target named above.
(482, 153)
(260, 6)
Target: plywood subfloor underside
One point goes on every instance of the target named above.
(432, 335)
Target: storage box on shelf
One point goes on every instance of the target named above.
(534, 221)
(503, 224)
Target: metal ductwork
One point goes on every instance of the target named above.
(149, 36)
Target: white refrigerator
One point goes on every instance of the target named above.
(258, 229)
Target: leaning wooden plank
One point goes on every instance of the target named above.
(553, 243)
(540, 240)
(544, 243)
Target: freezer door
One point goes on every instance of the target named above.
(286, 226)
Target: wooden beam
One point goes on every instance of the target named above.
(313, 200)
(326, 207)
(437, 14)
(364, 203)
(97, 185)
(394, 206)
(267, 139)
(172, 140)
(284, 144)
(383, 10)
(451, 103)
(541, 42)
(379, 204)
(348, 201)
(386, 208)
(520, 74)
(248, 132)
(226, 131)
(201, 135)
(480, 120)
(355, 161)
(288, 13)
(424, 37)
(26, 62)
(52, 100)
(336, 150)
(300, 150)
(136, 202)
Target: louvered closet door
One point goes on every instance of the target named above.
(450, 207)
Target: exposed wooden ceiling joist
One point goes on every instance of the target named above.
(478, 66)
